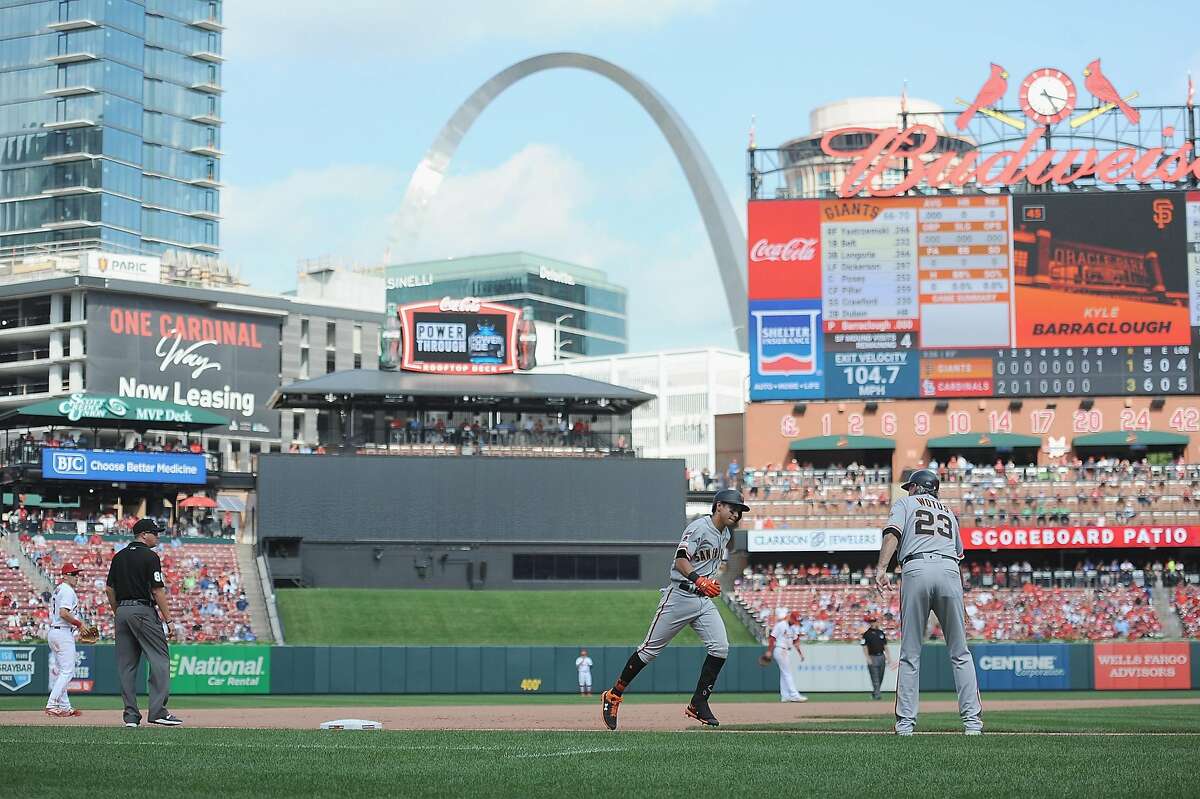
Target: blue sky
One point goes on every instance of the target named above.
(330, 106)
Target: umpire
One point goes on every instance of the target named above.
(135, 587)
(874, 644)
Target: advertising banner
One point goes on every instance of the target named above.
(84, 680)
(466, 336)
(784, 256)
(123, 467)
(785, 350)
(1142, 666)
(838, 667)
(17, 667)
(815, 540)
(1022, 667)
(1113, 537)
(220, 669)
(187, 354)
(143, 268)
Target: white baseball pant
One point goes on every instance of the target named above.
(62, 666)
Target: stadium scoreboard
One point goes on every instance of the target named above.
(1037, 295)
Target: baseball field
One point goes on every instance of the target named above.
(1044, 744)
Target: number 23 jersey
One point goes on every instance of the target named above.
(925, 525)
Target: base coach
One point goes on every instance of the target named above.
(135, 587)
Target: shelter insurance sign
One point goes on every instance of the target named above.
(188, 354)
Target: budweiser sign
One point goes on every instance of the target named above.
(890, 148)
(796, 249)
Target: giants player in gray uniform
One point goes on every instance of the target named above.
(688, 600)
(927, 535)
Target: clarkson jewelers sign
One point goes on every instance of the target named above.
(1047, 97)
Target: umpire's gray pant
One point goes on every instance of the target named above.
(876, 665)
(139, 632)
(934, 584)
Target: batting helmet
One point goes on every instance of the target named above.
(730, 496)
(922, 481)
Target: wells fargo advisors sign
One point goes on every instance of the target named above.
(188, 354)
(459, 336)
(1047, 96)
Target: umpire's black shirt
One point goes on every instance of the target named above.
(134, 571)
(875, 641)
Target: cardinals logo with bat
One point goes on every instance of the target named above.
(1047, 96)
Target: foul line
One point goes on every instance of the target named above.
(1043, 734)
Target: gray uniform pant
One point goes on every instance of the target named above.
(875, 667)
(934, 585)
(139, 632)
(676, 610)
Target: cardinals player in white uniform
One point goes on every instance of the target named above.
(785, 637)
(583, 664)
(61, 638)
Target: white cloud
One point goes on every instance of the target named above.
(341, 210)
(373, 28)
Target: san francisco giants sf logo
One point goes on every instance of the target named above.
(1164, 212)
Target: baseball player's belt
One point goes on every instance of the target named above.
(928, 556)
(687, 587)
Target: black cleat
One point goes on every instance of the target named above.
(702, 714)
(610, 703)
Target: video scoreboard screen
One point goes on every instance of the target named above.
(1036, 295)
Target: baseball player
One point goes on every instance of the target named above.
(61, 638)
(687, 599)
(785, 636)
(927, 535)
(583, 664)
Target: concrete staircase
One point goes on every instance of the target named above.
(39, 581)
(1171, 626)
(252, 585)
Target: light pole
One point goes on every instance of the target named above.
(558, 343)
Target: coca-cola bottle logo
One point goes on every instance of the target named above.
(797, 249)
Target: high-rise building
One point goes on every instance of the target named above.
(576, 310)
(110, 123)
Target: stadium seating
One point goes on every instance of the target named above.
(203, 586)
(1187, 605)
(839, 612)
(21, 609)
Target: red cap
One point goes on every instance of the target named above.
(71, 568)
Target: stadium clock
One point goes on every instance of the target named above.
(1047, 96)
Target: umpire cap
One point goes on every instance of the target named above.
(148, 525)
(730, 496)
(922, 481)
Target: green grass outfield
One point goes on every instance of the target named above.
(180, 703)
(1110, 752)
(557, 618)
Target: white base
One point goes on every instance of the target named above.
(352, 724)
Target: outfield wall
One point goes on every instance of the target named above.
(249, 668)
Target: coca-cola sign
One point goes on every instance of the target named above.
(784, 253)
(796, 249)
(464, 305)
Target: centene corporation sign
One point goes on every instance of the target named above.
(1047, 96)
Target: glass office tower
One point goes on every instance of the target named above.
(110, 122)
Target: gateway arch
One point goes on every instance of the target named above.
(724, 232)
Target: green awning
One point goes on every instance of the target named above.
(36, 501)
(841, 442)
(1131, 438)
(110, 412)
(984, 441)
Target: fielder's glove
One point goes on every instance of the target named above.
(89, 634)
(764, 659)
(708, 587)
